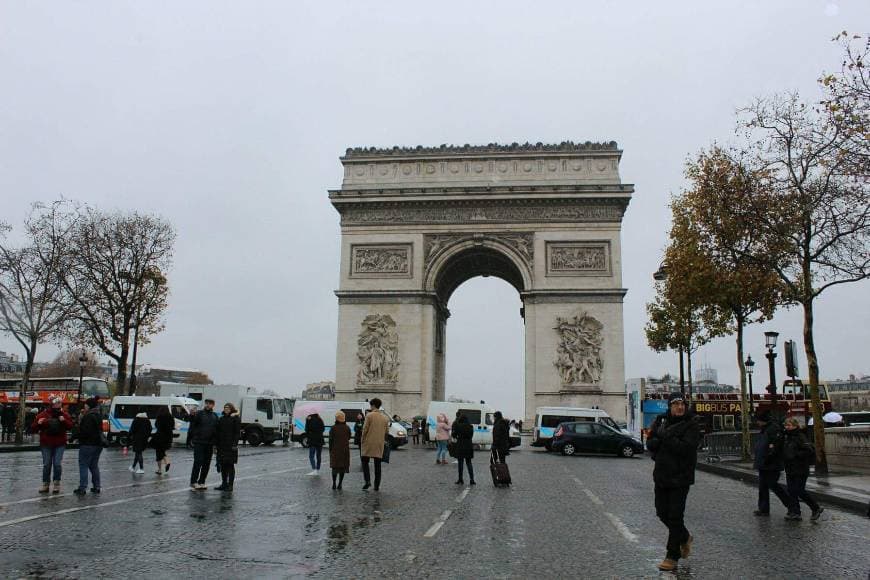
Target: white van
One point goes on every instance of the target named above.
(480, 415)
(125, 408)
(397, 436)
(548, 418)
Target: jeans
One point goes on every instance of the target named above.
(314, 456)
(768, 481)
(670, 507)
(228, 474)
(201, 462)
(138, 460)
(441, 453)
(89, 461)
(52, 458)
(367, 474)
(797, 490)
(467, 461)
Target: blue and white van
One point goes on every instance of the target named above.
(125, 408)
(547, 419)
(397, 435)
(480, 415)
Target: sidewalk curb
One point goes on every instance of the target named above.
(853, 505)
(28, 447)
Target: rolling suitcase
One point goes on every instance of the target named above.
(501, 475)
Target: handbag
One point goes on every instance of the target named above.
(387, 449)
(104, 441)
(451, 448)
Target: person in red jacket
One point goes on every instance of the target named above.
(52, 425)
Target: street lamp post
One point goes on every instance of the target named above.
(661, 275)
(750, 364)
(133, 369)
(82, 362)
(770, 342)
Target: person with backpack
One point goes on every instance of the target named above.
(52, 425)
(798, 454)
(768, 462)
(90, 447)
(140, 431)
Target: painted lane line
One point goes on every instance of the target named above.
(577, 481)
(437, 525)
(621, 527)
(463, 495)
(595, 499)
(124, 500)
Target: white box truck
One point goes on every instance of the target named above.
(265, 418)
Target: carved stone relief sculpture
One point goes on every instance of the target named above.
(578, 356)
(523, 243)
(381, 260)
(378, 351)
(578, 259)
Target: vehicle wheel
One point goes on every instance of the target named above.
(254, 438)
(627, 451)
(568, 449)
(548, 446)
(124, 439)
(304, 441)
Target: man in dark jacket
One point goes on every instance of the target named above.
(204, 427)
(314, 429)
(501, 438)
(90, 447)
(769, 463)
(673, 443)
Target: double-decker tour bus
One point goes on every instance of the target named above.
(722, 411)
(40, 391)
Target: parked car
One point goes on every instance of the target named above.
(587, 437)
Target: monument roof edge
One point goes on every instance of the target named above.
(369, 153)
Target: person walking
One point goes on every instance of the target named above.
(768, 462)
(52, 426)
(415, 431)
(140, 432)
(204, 426)
(798, 453)
(7, 418)
(501, 438)
(357, 431)
(374, 435)
(164, 427)
(442, 436)
(463, 432)
(314, 429)
(90, 447)
(673, 443)
(227, 433)
(339, 449)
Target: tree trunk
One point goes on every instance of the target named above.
(22, 394)
(744, 406)
(813, 369)
(689, 370)
(122, 370)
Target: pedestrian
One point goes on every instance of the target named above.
(442, 436)
(90, 447)
(7, 421)
(374, 435)
(227, 433)
(52, 425)
(501, 438)
(357, 431)
(415, 431)
(463, 432)
(769, 463)
(673, 443)
(204, 426)
(339, 449)
(161, 441)
(140, 432)
(798, 453)
(314, 429)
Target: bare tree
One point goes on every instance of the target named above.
(32, 303)
(113, 271)
(68, 364)
(814, 210)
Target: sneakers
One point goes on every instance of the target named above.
(56, 488)
(139, 471)
(761, 514)
(43, 488)
(314, 472)
(686, 549)
(817, 513)
(793, 517)
(131, 469)
(668, 565)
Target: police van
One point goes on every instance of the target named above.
(480, 415)
(125, 408)
(547, 419)
(397, 435)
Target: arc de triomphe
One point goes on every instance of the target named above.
(418, 222)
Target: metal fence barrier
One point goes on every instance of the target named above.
(725, 445)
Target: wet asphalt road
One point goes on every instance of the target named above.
(587, 517)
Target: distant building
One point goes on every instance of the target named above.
(147, 377)
(11, 363)
(852, 394)
(322, 391)
(669, 384)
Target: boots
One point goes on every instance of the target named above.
(668, 565)
(43, 488)
(686, 549)
(56, 488)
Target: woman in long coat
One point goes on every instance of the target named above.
(463, 432)
(162, 439)
(140, 431)
(227, 435)
(339, 449)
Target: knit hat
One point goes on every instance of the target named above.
(676, 397)
(339, 416)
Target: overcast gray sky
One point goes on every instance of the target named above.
(228, 119)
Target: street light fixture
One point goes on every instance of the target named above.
(750, 365)
(770, 342)
(83, 360)
(661, 275)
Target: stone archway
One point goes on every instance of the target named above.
(417, 223)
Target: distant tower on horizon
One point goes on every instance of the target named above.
(706, 374)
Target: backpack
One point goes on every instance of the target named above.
(54, 427)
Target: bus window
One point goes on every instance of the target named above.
(717, 422)
(729, 422)
(472, 414)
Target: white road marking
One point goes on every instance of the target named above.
(437, 525)
(463, 495)
(121, 501)
(621, 527)
(577, 481)
(595, 499)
